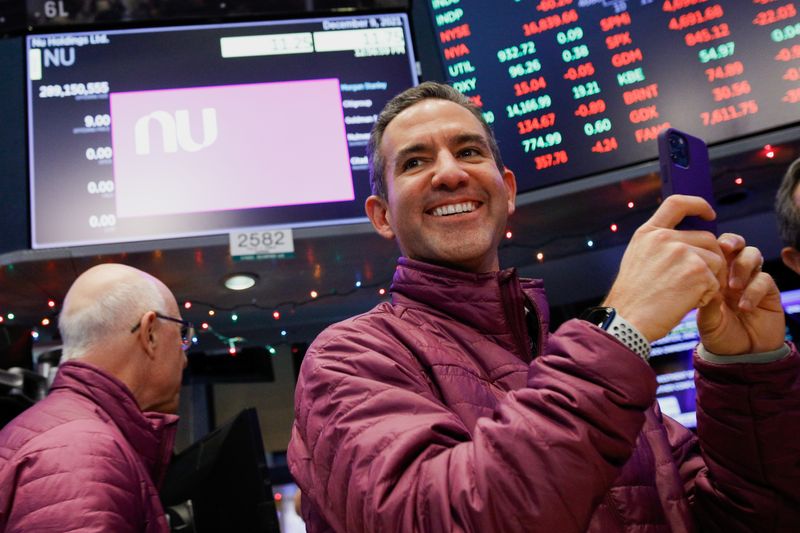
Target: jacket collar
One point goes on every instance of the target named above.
(151, 434)
(493, 303)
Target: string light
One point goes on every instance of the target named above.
(204, 325)
(51, 303)
(630, 205)
(769, 151)
(45, 321)
(271, 350)
(540, 257)
(614, 228)
(283, 333)
(738, 180)
(590, 243)
(10, 316)
(234, 317)
(509, 234)
(187, 305)
(211, 312)
(35, 335)
(358, 284)
(2, 319)
(314, 294)
(381, 291)
(276, 315)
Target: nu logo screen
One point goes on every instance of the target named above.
(229, 147)
(175, 131)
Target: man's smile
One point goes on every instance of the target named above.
(453, 209)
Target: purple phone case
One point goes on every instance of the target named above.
(691, 177)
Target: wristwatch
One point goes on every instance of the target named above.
(607, 319)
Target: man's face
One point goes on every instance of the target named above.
(789, 254)
(170, 360)
(447, 201)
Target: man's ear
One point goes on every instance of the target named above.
(510, 182)
(146, 334)
(378, 213)
(791, 258)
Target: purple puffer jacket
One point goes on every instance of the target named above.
(430, 414)
(84, 459)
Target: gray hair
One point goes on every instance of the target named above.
(400, 103)
(786, 209)
(112, 314)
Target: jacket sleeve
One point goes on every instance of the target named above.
(84, 484)
(376, 449)
(743, 474)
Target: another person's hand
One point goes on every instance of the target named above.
(746, 315)
(665, 272)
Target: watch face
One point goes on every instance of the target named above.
(599, 316)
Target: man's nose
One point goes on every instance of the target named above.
(448, 173)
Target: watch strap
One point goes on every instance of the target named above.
(628, 335)
(607, 319)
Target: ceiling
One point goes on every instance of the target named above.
(558, 222)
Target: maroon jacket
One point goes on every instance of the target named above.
(84, 459)
(430, 414)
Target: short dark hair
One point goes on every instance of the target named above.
(786, 209)
(400, 103)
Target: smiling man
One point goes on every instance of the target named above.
(457, 216)
(90, 456)
(451, 408)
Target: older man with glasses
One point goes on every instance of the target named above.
(91, 455)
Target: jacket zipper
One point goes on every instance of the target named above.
(514, 307)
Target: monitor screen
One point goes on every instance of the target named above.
(671, 358)
(139, 134)
(221, 482)
(579, 87)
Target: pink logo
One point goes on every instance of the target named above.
(175, 131)
(229, 147)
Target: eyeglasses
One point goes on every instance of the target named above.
(187, 330)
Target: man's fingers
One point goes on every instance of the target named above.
(745, 265)
(716, 264)
(761, 286)
(731, 244)
(712, 291)
(678, 206)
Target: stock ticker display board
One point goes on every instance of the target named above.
(579, 87)
(149, 133)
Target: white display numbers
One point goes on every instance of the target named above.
(261, 241)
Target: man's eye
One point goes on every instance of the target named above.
(411, 163)
(469, 152)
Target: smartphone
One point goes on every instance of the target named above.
(685, 170)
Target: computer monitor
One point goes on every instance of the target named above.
(221, 482)
(162, 132)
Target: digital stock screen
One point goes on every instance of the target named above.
(165, 132)
(579, 87)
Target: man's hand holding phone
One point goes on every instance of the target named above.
(665, 273)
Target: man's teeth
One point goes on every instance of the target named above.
(452, 209)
